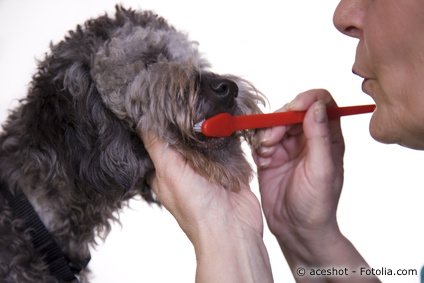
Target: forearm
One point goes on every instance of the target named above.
(233, 255)
(331, 254)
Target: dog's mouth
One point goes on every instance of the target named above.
(209, 144)
(203, 142)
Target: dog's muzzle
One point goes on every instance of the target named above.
(219, 96)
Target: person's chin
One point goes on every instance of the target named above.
(390, 134)
(380, 131)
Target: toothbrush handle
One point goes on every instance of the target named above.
(294, 117)
(256, 121)
(336, 112)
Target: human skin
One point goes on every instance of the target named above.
(225, 227)
(300, 192)
(300, 174)
(300, 168)
(390, 58)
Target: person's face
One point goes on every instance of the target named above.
(390, 58)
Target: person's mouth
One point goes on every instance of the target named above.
(365, 85)
(366, 88)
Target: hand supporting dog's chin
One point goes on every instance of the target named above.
(220, 160)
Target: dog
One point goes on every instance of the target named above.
(70, 156)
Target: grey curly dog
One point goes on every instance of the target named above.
(70, 156)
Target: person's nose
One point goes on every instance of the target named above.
(349, 17)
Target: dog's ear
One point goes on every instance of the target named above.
(105, 153)
(108, 153)
(69, 130)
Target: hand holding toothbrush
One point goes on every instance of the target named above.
(300, 173)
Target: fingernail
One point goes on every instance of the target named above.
(263, 162)
(285, 107)
(320, 112)
(291, 105)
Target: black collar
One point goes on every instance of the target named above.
(44, 244)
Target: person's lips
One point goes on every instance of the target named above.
(358, 73)
(365, 86)
(366, 83)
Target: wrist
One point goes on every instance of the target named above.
(234, 254)
(324, 249)
(312, 247)
(208, 236)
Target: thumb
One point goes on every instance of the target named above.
(165, 159)
(168, 162)
(161, 153)
(319, 140)
(168, 166)
(154, 146)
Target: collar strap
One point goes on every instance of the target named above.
(44, 244)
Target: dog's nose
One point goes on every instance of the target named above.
(224, 88)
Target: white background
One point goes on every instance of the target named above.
(283, 47)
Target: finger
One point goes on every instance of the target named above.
(305, 99)
(262, 162)
(316, 126)
(321, 135)
(271, 136)
(266, 151)
(295, 130)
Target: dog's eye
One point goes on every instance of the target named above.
(153, 56)
(149, 61)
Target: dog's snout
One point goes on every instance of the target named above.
(224, 87)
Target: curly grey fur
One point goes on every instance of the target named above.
(72, 144)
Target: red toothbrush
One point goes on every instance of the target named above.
(224, 124)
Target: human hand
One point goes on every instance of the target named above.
(192, 199)
(300, 172)
(224, 226)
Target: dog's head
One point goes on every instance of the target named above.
(136, 73)
(154, 78)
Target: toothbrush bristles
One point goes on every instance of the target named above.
(198, 127)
